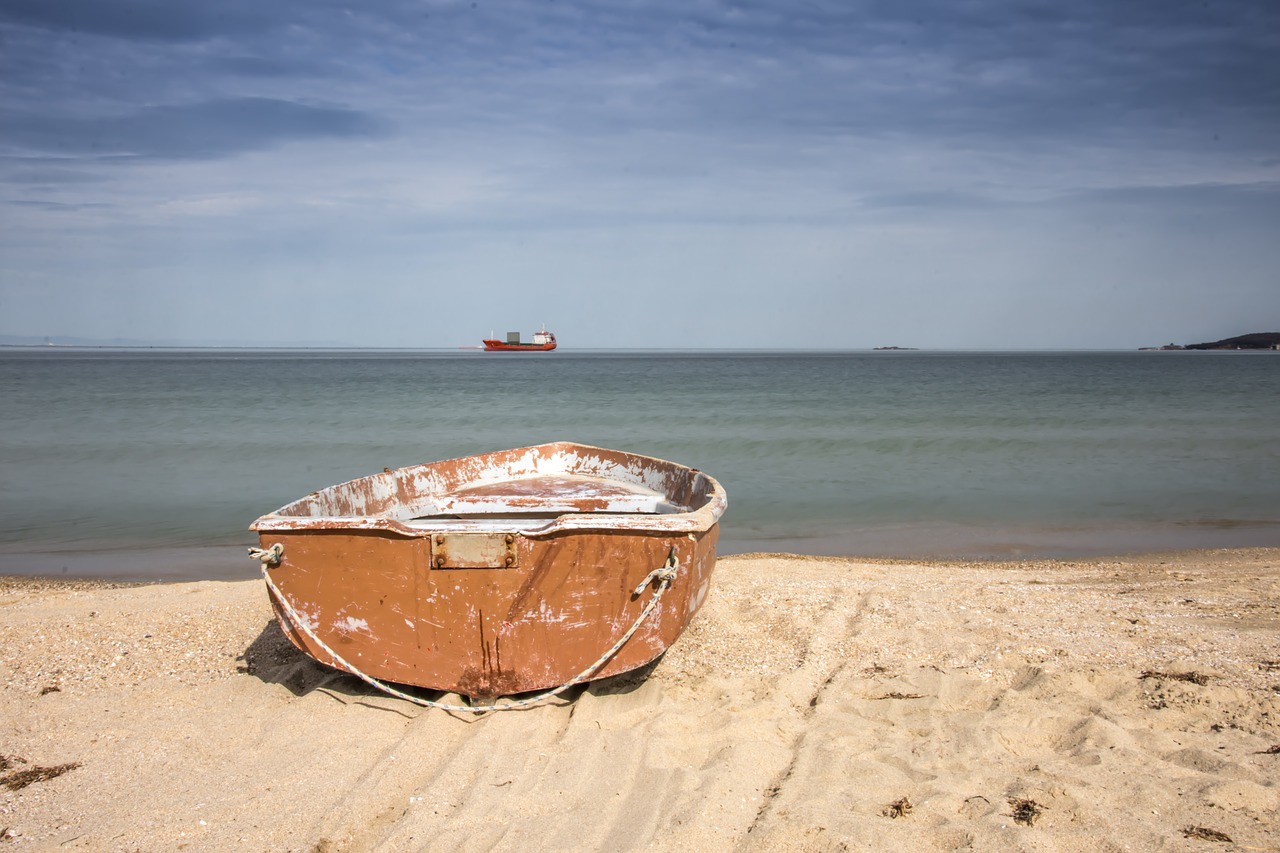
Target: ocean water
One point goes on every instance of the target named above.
(151, 463)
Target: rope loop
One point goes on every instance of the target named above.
(269, 556)
(665, 574)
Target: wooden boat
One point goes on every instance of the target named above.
(495, 574)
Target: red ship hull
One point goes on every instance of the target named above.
(503, 346)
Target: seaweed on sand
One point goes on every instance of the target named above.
(1190, 677)
(22, 778)
(1025, 811)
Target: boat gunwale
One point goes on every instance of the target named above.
(698, 519)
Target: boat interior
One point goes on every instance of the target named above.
(540, 498)
(550, 486)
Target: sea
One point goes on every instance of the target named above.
(149, 464)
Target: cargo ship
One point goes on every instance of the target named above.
(543, 341)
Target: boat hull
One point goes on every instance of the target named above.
(503, 346)
(520, 575)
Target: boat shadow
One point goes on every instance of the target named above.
(272, 659)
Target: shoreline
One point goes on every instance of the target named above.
(1037, 704)
(1137, 558)
(935, 542)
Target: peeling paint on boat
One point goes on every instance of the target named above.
(350, 624)
(700, 595)
(310, 617)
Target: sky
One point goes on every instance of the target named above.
(944, 174)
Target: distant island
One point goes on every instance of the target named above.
(896, 349)
(1257, 340)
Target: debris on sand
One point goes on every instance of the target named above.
(1025, 811)
(21, 779)
(898, 808)
(1190, 677)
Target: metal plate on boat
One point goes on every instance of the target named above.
(473, 550)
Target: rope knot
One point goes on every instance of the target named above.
(268, 556)
(664, 574)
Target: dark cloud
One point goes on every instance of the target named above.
(161, 20)
(1260, 200)
(191, 131)
(56, 206)
(968, 71)
(260, 67)
(1007, 71)
(43, 174)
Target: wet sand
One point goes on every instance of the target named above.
(814, 704)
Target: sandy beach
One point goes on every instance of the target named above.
(814, 704)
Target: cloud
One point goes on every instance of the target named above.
(931, 200)
(43, 174)
(978, 74)
(1234, 209)
(744, 153)
(1261, 196)
(209, 129)
(162, 20)
(54, 206)
(260, 67)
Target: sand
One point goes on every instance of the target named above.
(814, 704)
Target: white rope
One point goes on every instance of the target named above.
(664, 575)
(269, 556)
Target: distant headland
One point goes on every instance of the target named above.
(1257, 340)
